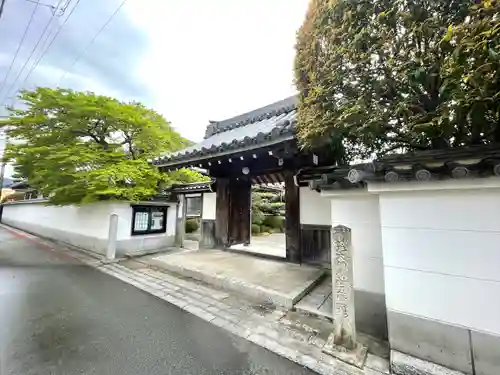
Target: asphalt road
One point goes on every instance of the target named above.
(60, 317)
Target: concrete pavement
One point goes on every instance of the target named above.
(58, 316)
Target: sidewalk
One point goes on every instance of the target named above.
(297, 337)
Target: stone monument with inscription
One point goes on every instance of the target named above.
(342, 342)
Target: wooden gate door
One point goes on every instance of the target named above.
(240, 195)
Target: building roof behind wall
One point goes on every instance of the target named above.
(262, 127)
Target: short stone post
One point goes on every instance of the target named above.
(344, 319)
(342, 342)
(113, 231)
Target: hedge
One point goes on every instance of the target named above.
(192, 225)
(255, 229)
(275, 222)
(257, 217)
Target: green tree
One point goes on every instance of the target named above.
(381, 76)
(78, 147)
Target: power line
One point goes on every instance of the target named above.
(2, 4)
(20, 44)
(57, 11)
(33, 67)
(91, 42)
(30, 56)
(53, 7)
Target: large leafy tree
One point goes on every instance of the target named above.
(78, 147)
(380, 76)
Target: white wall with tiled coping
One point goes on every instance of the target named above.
(444, 242)
(87, 226)
(433, 250)
(441, 257)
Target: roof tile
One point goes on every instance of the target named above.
(268, 123)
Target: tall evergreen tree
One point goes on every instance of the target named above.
(379, 76)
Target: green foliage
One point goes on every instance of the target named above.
(192, 225)
(270, 208)
(264, 205)
(257, 216)
(276, 198)
(275, 222)
(255, 229)
(78, 147)
(378, 76)
(263, 195)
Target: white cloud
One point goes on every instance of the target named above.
(210, 60)
(193, 61)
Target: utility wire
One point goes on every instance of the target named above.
(33, 67)
(20, 44)
(30, 56)
(53, 7)
(57, 11)
(2, 4)
(91, 42)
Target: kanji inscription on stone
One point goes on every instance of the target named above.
(343, 291)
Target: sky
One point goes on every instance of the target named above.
(192, 61)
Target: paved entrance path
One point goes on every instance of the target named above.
(59, 317)
(278, 282)
(271, 245)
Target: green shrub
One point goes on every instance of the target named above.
(275, 198)
(271, 208)
(275, 222)
(272, 221)
(192, 225)
(255, 229)
(263, 195)
(257, 216)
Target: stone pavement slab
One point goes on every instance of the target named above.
(281, 283)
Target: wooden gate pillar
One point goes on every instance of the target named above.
(292, 219)
(222, 209)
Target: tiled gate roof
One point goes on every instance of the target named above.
(265, 126)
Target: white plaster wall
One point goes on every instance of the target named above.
(314, 209)
(360, 212)
(441, 251)
(86, 226)
(89, 220)
(208, 211)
